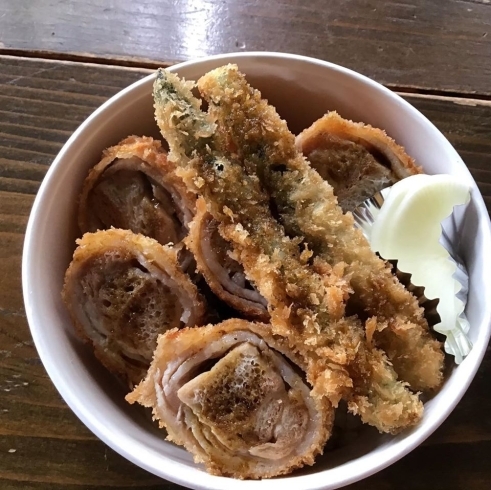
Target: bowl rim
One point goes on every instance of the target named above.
(173, 471)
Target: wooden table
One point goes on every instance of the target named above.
(60, 60)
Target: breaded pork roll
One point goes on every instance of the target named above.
(235, 397)
(122, 290)
(134, 187)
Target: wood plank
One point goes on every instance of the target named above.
(443, 44)
(51, 449)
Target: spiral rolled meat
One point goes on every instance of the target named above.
(224, 275)
(235, 398)
(122, 290)
(356, 159)
(134, 187)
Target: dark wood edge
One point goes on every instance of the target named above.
(120, 61)
(145, 63)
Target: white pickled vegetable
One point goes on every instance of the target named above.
(408, 228)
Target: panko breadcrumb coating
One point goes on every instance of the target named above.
(356, 159)
(305, 300)
(300, 300)
(249, 400)
(224, 275)
(250, 130)
(134, 187)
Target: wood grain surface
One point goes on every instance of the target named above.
(42, 444)
(436, 45)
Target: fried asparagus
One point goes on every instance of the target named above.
(306, 297)
(300, 301)
(251, 131)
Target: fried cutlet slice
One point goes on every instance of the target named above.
(122, 290)
(235, 397)
(134, 187)
(251, 131)
(224, 275)
(356, 159)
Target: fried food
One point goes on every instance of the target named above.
(249, 400)
(134, 187)
(356, 159)
(251, 131)
(300, 301)
(224, 275)
(122, 290)
(232, 395)
(305, 297)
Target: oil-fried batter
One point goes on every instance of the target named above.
(122, 290)
(134, 188)
(306, 300)
(302, 303)
(224, 275)
(251, 131)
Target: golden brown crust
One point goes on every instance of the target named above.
(309, 209)
(244, 411)
(116, 285)
(305, 298)
(301, 301)
(226, 436)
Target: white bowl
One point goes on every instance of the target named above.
(302, 89)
